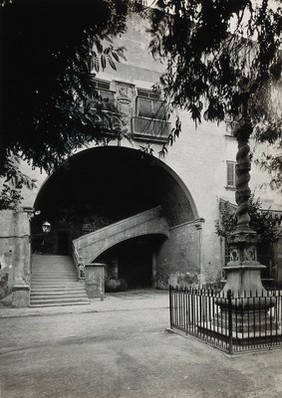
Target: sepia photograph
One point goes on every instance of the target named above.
(140, 198)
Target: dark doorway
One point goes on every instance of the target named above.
(63, 242)
(135, 263)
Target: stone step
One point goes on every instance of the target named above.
(57, 286)
(58, 291)
(52, 278)
(54, 275)
(51, 256)
(42, 264)
(58, 295)
(54, 272)
(60, 300)
(48, 299)
(55, 269)
(51, 294)
(61, 283)
(42, 305)
(54, 282)
(55, 289)
(52, 265)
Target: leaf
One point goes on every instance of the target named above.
(103, 61)
(99, 46)
(120, 52)
(111, 62)
(96, 64)
(115, 56)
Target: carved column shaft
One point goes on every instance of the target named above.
(243, 167)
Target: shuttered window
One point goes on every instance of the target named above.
(230, 174)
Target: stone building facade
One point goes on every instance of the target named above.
(106, 185)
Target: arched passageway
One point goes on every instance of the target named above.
(103, 185)
(133, 260)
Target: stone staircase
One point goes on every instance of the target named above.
(54, 282)
(149, 222)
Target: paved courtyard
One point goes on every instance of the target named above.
(120, 348)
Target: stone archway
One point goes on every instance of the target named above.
(104, 185)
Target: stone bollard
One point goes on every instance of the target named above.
(95, 280)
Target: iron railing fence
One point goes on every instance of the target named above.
(230, 321)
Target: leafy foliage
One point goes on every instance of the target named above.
(262, 221)
(15, 177)
(10, 198)
(223, 62)
(48, 49)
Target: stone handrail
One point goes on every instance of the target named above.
(91, 245)
(137, 219)
(79, 263)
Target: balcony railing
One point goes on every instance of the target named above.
(147, 129)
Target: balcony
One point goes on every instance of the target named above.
(148, 129)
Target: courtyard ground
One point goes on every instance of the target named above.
(120, 348)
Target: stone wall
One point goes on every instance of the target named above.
(178, 259)
(15, 256)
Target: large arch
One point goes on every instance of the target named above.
(104, 166)
(104, 185)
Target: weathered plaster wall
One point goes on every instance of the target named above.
(14, 251)
(179, 257)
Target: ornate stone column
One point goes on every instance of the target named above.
(243, 271)
(248, 310)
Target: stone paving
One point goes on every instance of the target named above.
(119, 348)
(135, 299)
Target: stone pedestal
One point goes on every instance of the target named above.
(21, 296)
(243, 278)
(244, 303)
(95, 280)
(248, 307)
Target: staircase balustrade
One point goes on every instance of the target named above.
(89, 246)
(79, 263)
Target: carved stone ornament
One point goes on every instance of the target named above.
(234, 254)
(250, 253)
(124, 96)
